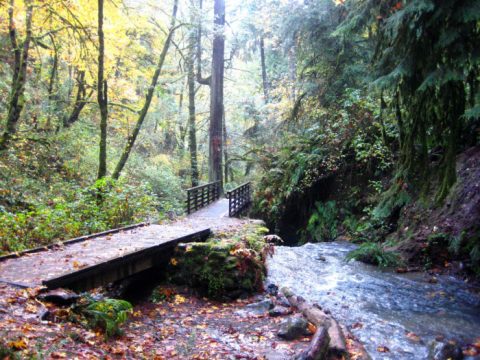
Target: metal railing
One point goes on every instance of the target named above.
(201, 196)
(239, 199)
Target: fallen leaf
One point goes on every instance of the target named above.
(20, 344)
(414, 337)
(312, 328)
(383, 349)
(58, 355)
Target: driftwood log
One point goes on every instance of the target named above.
(320, 319)
(337, 345)
(318, 348)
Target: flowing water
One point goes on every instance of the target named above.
(403, 312)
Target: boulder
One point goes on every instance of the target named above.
(293, 328)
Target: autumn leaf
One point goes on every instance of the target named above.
(477, 343)
(58, 355)
(312, 328)
(414, 337)
(383, 349)
(179, 299)
(20, 344)
(357, 325)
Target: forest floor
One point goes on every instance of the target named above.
(185, 326)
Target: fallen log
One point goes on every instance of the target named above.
(337, 344)
(318, 348)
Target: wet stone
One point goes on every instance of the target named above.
(272, 289)
(59, 296)
(293, 328)
(282, 300)
(261, 307)
(280, 311)
(446, 350)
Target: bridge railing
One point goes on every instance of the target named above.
(201, 196)
(239, 199)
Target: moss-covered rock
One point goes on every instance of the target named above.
(227, 265)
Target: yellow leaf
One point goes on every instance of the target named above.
(179, 299)
(20, 344)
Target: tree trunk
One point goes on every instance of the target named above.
(52, 106)
(201, 80)
(226, 163)
(102, 96)
(17, 100)
(264, 70)
(216, 95)
(148, 98)
(192, 136)
(80, 100)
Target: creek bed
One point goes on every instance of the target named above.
(401, 314)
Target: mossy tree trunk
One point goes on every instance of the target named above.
(216, 95)
(192, 131)
(102, 99)
(20, 52)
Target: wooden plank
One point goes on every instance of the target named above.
(121, 267)
(71, 241)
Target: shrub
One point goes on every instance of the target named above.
(373, 253)
(102, 206)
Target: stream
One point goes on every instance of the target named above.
(403, 312)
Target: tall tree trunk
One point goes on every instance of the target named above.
(17, 100)
(201, 80)
(52, 106)
(264, 70)
(148, 98)
(80, 100)
(215, 172)
(102, 96)
(225, 150)
(192, 136)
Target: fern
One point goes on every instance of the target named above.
(108, 314)
(373, 253)
(322, 225)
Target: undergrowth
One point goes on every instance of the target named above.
(106, 314)
(105, 205)
(373, 253)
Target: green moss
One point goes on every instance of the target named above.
(228, 263)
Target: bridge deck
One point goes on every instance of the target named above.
(98, 260)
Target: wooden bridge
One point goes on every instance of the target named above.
(90, 261)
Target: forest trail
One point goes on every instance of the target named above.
(108, 257)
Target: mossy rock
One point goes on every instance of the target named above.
(232, 264)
